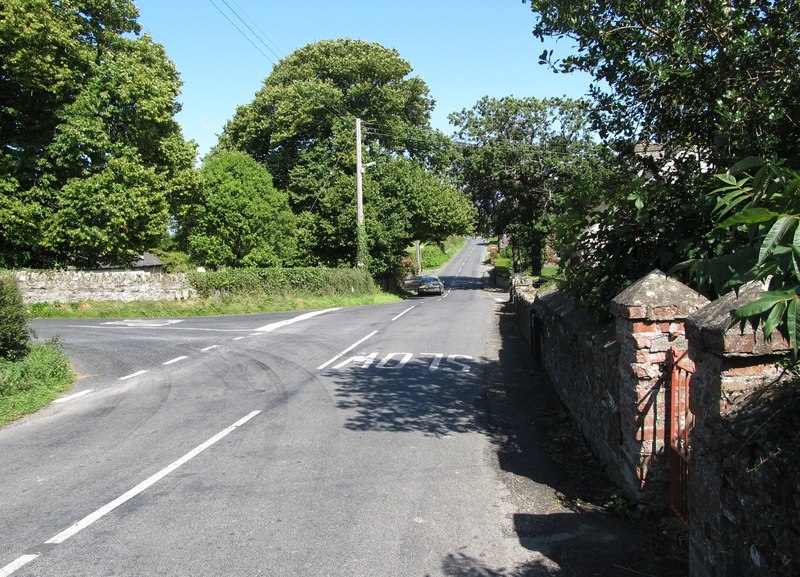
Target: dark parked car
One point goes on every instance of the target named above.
(430, 284)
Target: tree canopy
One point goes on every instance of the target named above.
(517, 157)
(301, 125)
(240, 219)
(91, 157)
(718, 76)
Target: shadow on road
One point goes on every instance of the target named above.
(540, 456)
(435, 396)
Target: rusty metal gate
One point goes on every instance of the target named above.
(681, 423)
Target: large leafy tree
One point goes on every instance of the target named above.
(708, 83)
(301, 127)
(241, 219)
(518, 155)
(90, 155)
(715, 75)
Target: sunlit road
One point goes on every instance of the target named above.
(342, 442)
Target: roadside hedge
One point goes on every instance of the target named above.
(282, 281)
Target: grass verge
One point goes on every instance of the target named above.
(34, 381)
(230, 305)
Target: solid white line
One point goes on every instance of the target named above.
(136, 374)
(16, 564)
(75, 396)
(297, 319)
(209, 348)
(105, 509)
(347, 350)
(175, 360)
(402, 313)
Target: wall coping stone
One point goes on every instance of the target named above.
(713, 329)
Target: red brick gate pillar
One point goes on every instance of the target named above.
(650, 317)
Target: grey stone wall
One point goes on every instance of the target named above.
(76, 286)
(744, 509)
(580, 357)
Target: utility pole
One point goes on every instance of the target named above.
(361, 239)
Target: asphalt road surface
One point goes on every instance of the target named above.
(340, 442)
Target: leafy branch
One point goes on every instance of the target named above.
(762, 212)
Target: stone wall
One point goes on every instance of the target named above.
(744, 477)
(611, 376)
(580, 357)
(744, 488)
(76, 286)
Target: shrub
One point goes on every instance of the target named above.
(14, 332)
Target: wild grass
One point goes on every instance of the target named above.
(215, 305)
(33, 381)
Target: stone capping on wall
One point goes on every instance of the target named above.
(714, 330)
(70, 286)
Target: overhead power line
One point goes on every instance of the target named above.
(246, 37)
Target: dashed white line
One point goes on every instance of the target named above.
(347, 350)
(175, 360)
(239, 338)
(71, 397)
(136, 374)
(209, 348)
(105, 509)
(402, 313)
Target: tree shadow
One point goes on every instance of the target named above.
(436, 395)
(537, 445)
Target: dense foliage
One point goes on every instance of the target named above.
(301, 127)
(518, 157)
(718, 76)
(697, 87)
(91, 158)
(758, 239)
(240, 219)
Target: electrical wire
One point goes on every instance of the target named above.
(241, 31)
(334, 111)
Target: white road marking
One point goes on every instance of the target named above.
(238, 338)
(136, 374)
(175, 360)
(105, 509)
(347, 350)
(17, 564)
(404, 358)
(144, 323)
(71, 397)
(297, 319)
(365, 360)
(402, 313)
(209, 348)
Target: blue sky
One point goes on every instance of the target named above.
(462, 49)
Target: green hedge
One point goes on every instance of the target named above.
(282, 281)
